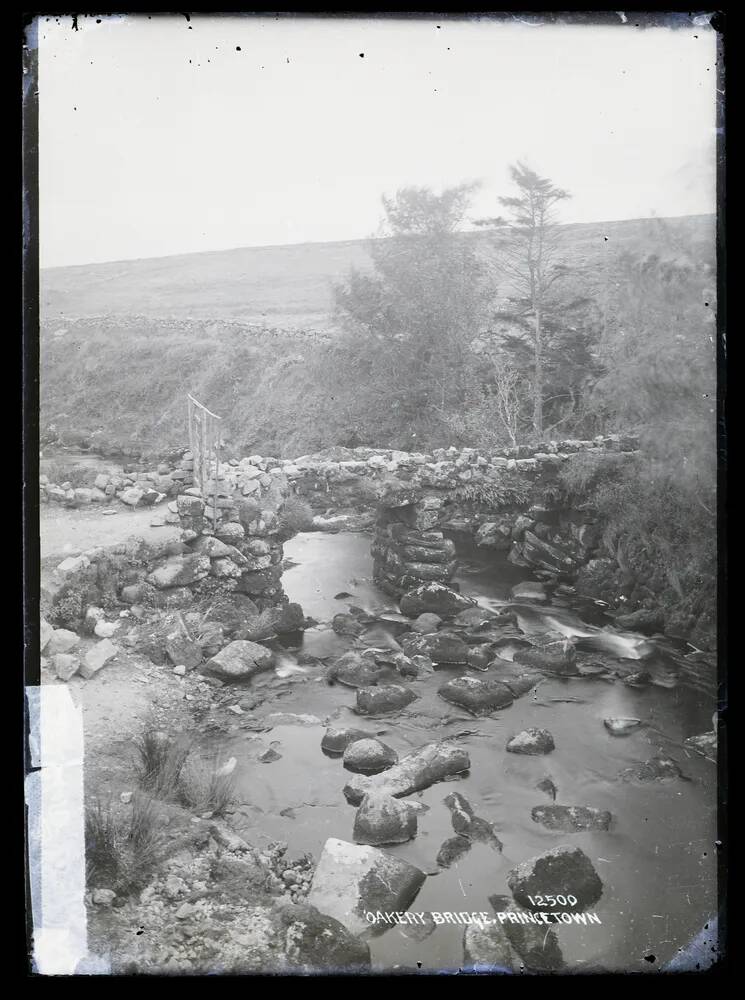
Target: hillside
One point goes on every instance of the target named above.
(280, 286)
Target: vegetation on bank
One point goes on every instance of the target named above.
(489, 339)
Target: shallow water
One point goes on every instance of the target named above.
(657, 862)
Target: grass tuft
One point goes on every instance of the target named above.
(123, 845)
(161, 759)
(203, 789)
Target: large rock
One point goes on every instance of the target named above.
(655, 769)
(66, 665)
(493, 535)
(336, 741)
(467, 824)
(537, 947)
(238, 661)
(383, 699)
(354, 670)
(426, 623)
(452, 850)
(553, 657)
(369, 756)
(180, 571)
(480, 656)
(571, 819)
(314, 942)
(474, 617)
(288, 619)
(435, 598)
(621, 727)
(181, 650)
(641, 621)
(45, 634)
(477, 696)
(440, 647)
(518, 681)
(530, 591)
(565, 871)
(531, 742)
(546, 555)
(486, 948)
(381, 819)
(61, 641)
(347, 624)
(704, 744)
(414, 772)
(97, 657)
(351, 881)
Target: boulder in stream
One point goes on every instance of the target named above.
(473, 617)
(414, 772)
(565, 871)
(440, 647)
(705, 744)
(477, 696)
(315, 942)
(467, 824)
(571, 819)
(435, 598)
(532, 742)
(486, 948)
(426, 623)
(553, 657)
(355, 670)
(480, 656)
(238, 661)
(381, 819)
(621, 727)
(348, 624)
(384, 699)
(642, 620)
(452, 850)
(538, 948)
(531, 591)
(351, 880)
(547, 785)
(655, 769)
(518, 681)
(369, 756)
(336, 741)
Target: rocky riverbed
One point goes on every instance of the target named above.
(572, 737)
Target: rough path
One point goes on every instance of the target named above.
(61, 530)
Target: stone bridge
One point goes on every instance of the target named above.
(232, 535)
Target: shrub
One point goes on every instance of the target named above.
(583, 472)
(248, 511)
(296, 515)
(506, 493)
(70, 602)
(59, 471)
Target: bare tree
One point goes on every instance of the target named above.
(508, 395)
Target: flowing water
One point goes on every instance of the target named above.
(657, 862)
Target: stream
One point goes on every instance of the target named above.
(657, 862)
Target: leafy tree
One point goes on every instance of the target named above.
(410, 321)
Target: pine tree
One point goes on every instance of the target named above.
(532, 258)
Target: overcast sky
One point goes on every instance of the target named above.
(164, 136)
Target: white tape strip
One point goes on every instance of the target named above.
(56, 831)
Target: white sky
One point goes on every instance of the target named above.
(157, 137)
